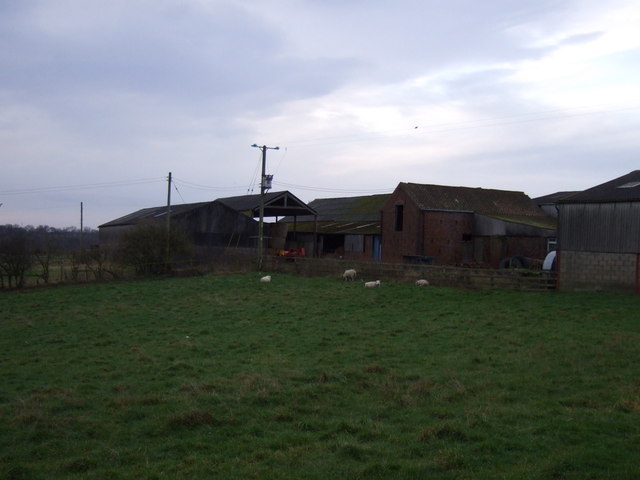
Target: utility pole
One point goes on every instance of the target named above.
(82, 231)
(263, 187)
(168, 260)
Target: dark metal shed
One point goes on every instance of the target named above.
(599, 236)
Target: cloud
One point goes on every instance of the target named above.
(95, 92)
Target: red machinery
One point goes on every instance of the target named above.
(292, 252)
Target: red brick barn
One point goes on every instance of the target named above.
(463, 226)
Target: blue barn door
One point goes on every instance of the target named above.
(377, 248)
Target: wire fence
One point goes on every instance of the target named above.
(64, 270)
(457, 277)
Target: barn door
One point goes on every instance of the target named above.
(377, 248)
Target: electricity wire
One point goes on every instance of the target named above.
(65, 188)
(284, 154)
(335, 190)
(254, 177)
(420, 129)
(485, 122)
(204, 187)
(178, 191)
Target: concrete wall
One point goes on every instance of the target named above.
(598, 271)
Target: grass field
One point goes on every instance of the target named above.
(225, 377)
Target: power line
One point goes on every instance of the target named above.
(254, 177)
(334, 190)
(284, 154)
(523, 118)
(419, 129)
(65, 188)
(175, 186)
(485, 122)
(204, 187)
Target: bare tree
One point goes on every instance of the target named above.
(96, 259)
(145, 248)
(46, 247)
(15, 259)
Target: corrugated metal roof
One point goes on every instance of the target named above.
(544, 221)
(346, 209)
(276, 204)
(621, 189)
(343, 215)
(554, 198)
(341, 228)
(152, 213)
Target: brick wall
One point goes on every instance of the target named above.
(598, 271)
(449, 237)
(444, 237)
(398, 243)
(436, 234)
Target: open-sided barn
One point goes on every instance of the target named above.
(216, 226)
(599, 237)
(347, 227)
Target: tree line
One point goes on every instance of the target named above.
(31, 251)
(21, 248)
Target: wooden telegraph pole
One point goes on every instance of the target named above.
(168, 258)
(263, 187)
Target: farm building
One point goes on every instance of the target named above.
(208, 225)
(549, 203)
(216, 226)
(276, 204)
(346, 227)
(463, 226)
(599, 237)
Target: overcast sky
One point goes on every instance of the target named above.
(100, 100)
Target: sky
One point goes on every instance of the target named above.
(99, 101)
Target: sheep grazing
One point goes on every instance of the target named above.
(266, 279)
(422, 283)
(349, 275)
(372, 284)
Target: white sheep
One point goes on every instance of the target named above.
(422, 282)
(372, 284)
(266, 279)
(349, 274)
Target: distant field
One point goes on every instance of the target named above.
(312, 378)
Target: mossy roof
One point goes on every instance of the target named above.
(503, 204)
(346, 209)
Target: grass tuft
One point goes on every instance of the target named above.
(442, 432)
(192, 419)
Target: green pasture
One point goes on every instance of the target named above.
(315, 378)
